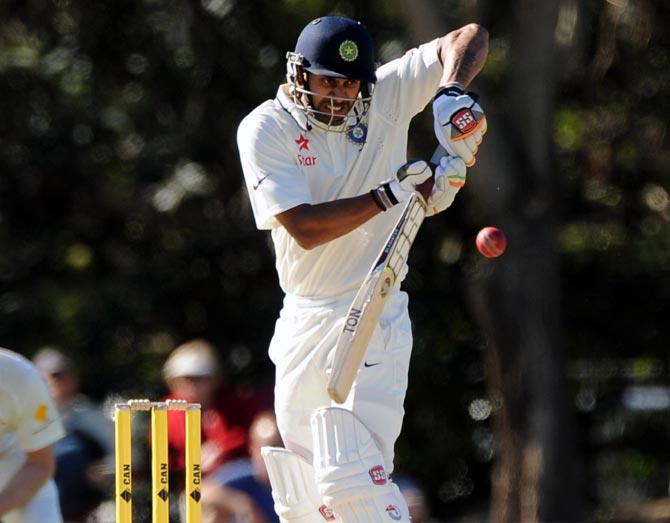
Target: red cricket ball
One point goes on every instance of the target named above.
(491, 242)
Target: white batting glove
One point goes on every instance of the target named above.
(460, 122)
(450, 176)
(401, 187)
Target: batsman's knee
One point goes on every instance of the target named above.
(350, 471)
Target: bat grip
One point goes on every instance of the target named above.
(426, 187)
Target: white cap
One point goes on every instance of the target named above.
(52, 360)
(193, 358)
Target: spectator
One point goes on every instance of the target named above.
(240, 490)
(29, 426)
(193, 373)
(84, 456)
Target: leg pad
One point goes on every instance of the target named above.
(350, 470)
(294, 491)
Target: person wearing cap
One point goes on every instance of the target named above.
(192, 373)
(326, 171)
(84, 457)
(29, 427)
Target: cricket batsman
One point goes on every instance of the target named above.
(320, 163)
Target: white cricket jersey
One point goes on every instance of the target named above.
(29, 421)
(287, 163)
(28, 417)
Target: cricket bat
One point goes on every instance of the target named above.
(368, 305)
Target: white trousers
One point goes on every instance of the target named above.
(301, 348)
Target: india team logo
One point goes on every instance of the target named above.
(358, 133)
(348, 51)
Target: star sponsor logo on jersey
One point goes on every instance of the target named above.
(309, 161)
(41, 413)
(378, 475)
(303, 143)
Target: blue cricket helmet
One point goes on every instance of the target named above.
(337, 46)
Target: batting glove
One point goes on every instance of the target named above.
(460, 122)
(450, 176)
(400, 188)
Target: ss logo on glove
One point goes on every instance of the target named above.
(460, 123)
(464, 121)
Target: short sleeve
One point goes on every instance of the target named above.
(38, 423)
(407, 84)
(273, 179)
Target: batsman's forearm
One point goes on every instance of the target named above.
(463, 54)
(314, 225)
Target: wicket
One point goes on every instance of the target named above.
(160, 495)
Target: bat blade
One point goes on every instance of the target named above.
(368, 305)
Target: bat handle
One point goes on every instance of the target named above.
(426, 187)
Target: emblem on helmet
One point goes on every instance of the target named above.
(348, 51)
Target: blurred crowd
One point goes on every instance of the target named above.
(78, 454)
